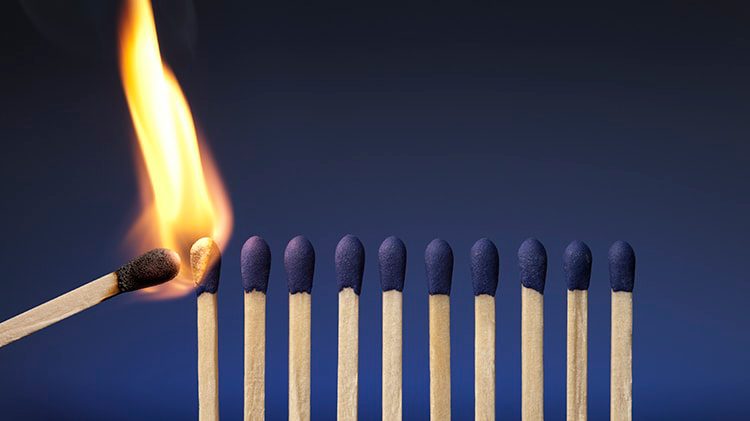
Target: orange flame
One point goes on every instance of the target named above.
(183, 197)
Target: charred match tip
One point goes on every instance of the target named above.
(299, 262)
(255, 264)
(532, 259)
(577, 265)
(392, 264)
(438, 260)
(205, 261)
(151, 268)
(621, 266)
(485, 267)
(350, 263)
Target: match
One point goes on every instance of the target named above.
(149, 269)
(621, 279)
(485, 271)
(205, 261)
(299, 263)
(255, 265)
(350, 264)
(532, 259)
(439, 268)
(392, 266)
(577, 268)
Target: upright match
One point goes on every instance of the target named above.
(439, 268)
(577, 268)
(392, 266)
(205, 261)
(255, 265)
(485, 271)
(621, 279)
(350, 264)
(532, 259)
(152, 268)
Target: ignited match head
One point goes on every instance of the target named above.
(151, 268)
(621, 266)
(485, 267)
(392, 264)
(255, 264)
(577, 265)
(205, 260)
(299, 262)
(532, 259)
(350, 263)
(438, 260)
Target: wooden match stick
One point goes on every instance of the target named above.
(205, 260)
(255, 264)
(577, 268)
(485, 270)
(439, 267)
(350, 263)
(152, 268)
(392, 265)
(532, 259)
(621, 279)
(299, 263)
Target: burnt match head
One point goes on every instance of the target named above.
(205, 260)
(350, 263)
(532, 260)
(577, 265)
(392, 264)
(621, 266)
(151, 268)
(299, 262)
(485, 267)
(255, 264)
(438, 260)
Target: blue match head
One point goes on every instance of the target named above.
(485, 267)
(299, 262)
(532, 259)
(392, 264)
(438, 260)
(350, 263)
(577, 265)
(255, 264)
(621, 266)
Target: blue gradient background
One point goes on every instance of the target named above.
(453, 120)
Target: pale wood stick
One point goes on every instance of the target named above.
(208, 358)
(532, 360)
(348, 355)
(577, 364)
(440, 357)
(255, 356)
(621, 380)
(392, 354)
(484, 357)
(300, 305)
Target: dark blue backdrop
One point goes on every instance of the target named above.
(453, 120)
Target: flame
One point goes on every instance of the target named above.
(183, 197)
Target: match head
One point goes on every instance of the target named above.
(255, 264)
(151, 268)
(577, 265)
(485, 267)
(621, 266)
(299, 262)
(350, 263)
(532, 259)
(205, 261)
(392, 264)
(438, 260)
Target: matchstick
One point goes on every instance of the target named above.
(255, 265)
(621, 279)
(392, 266)
(350, 263)
(299, 263)
(532, 259)
(152, 268)
(485, 271)
(577, 268)
(439, 268)
(205, 260)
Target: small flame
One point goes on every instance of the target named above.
(183, 197)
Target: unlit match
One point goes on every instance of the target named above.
(392, 266)
(577, 268)
(621, 278)
(532, 259)
(439, 268)
(485, 271)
